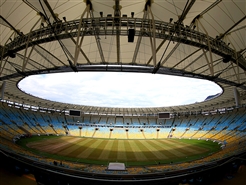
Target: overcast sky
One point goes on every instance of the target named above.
(119, 89)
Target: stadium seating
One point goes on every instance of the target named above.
(228, 127)
(224, 127)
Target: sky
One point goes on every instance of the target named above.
(111, 89)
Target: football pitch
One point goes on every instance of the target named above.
(131, 151)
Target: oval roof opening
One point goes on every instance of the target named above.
(110, 89)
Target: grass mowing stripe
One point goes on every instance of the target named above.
(41, 145)
(104, 154)
(114, 151)
(71, 150)
(150, 151)
(166, 151)
(92, 145)
(164, 148)
(155, 149)
(51, 147)
(40, 142)
(123, 147)
(198, 146)
(97, 152)
(139, 154)
(121, 155)
(63, 145)
(75, 148)
(186, 149)
(129, 152)
(192, 149)
(181, 150)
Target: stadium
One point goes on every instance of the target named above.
(65, 143)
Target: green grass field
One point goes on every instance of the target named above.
(131, 152)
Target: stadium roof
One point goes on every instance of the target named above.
(198, 39)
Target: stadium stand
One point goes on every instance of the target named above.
(230, 127)
(193, 39)
(234, 134)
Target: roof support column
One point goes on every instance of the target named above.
(3, 62)
(177, 29)
(134, 58)
(152, 39)
(25, 61)
(117, 15)
(78, 43)
(97, 38)
(210, 62)
(237, 73)
(146, 10)
(2, 65)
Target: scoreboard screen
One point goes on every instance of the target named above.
(164, 115)
(74, 113)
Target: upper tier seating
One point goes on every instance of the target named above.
(229, 126)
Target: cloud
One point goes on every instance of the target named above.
(119, 89)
